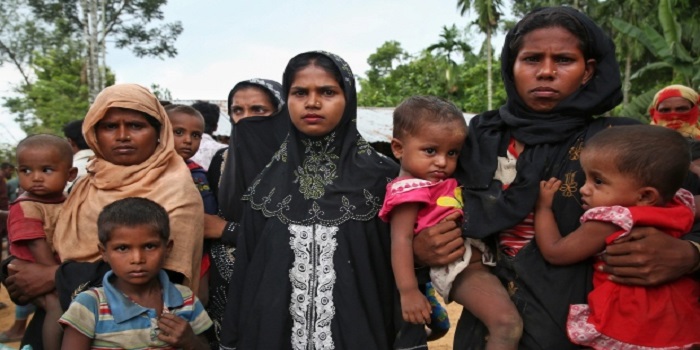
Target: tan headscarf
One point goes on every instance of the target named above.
(163, 178)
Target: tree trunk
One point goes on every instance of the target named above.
(103, 48)
(91, 32)
(627, 85)
(489, 64)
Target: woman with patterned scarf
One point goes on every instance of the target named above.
(313, 268)
(676, 107)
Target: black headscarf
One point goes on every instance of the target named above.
(253, 142)
(547, 136)
(316, 180)
(312, 257)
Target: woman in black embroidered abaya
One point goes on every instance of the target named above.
(313, 264)
(559, 70)
(257, 130)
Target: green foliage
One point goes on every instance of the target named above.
(58, 95)
(7, 153)
(162, 93)
(133, 24)
(21, 37)
(424, 74)
(673, 56)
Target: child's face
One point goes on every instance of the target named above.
(605, 186)
(135, 253)
(316, 101)
(188, 130)
(432, 153)
(42, 173)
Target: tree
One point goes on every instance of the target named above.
(488, 15)
(630, 53)
(20, 37)
(161, 93)
(58, 95)
(424, 74)
(668, 47)
(126, 22)
(451, 41)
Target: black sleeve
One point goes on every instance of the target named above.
(230, 235)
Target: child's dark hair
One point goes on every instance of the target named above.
(184, 109)
(652, 155)
(74, 131)
(48, 141)
(130, 212)
(549, 17)
(210, 112)
(416, 111)
(304, 60)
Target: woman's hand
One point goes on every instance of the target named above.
(27, 280)
(213, 226)
(649, 257)
(440, 244)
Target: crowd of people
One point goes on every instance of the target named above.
(553, 226)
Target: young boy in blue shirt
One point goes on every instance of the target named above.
(137, 307)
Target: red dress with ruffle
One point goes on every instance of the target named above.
(631, 317)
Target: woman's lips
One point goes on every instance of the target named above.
(124, 150)
(312, 118)
(544, 92)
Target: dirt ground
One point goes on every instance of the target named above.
(445, 343)
(7, 317)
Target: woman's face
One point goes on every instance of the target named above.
(124, 137)
(549, 68)
(674, 105)
(250, 102)
(316, 101)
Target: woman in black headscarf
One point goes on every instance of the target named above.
(313, 266)
(560, 71)
(257, 131)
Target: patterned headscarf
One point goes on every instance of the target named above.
(252, 143)
(686, 122)
(324, 180)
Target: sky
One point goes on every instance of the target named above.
(224, 42)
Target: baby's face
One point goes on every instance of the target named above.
(431, 153)
(605, 185)
(42, 172)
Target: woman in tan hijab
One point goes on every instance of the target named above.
(132, 138)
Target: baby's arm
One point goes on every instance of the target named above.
(581, 244)
(414, 305)
(41, 251)
(177, 332)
